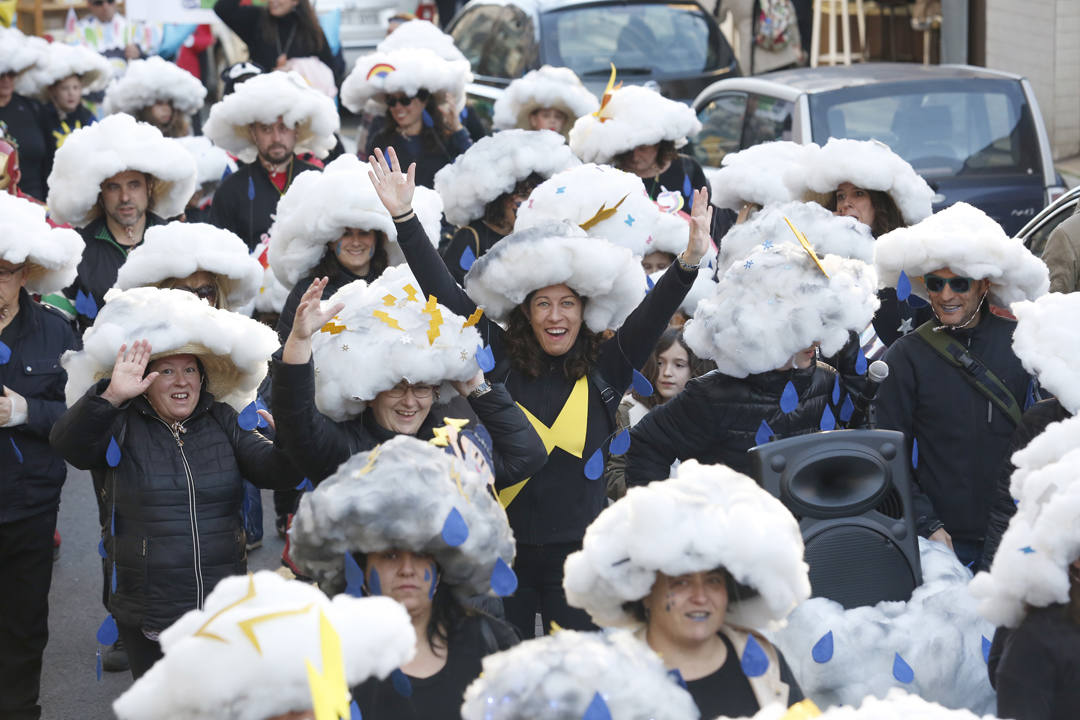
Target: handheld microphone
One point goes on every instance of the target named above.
(863, 401)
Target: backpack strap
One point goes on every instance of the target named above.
(608, 396)
(976, 372)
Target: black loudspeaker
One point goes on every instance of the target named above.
(851, 493)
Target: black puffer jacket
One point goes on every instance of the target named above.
(317, 445)
(716, 419)
(175, 526)
(33, 472)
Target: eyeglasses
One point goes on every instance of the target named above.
(392, 100)
(6, 274)
(958, 285)
(419, 391)
(204, 292)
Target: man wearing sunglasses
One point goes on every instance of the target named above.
(955, 388)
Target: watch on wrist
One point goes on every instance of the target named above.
(686, 266)
(482, 389)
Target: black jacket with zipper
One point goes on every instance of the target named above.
(246, 201)
(962, 437)
(174, 525)
(716, 418)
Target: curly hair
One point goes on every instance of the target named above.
(651, 369)
(528, 357)
(666, 153)
(887, 216)
(495, 212)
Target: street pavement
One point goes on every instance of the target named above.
(70, 689)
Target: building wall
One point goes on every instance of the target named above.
(1040, 39)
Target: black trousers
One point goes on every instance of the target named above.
(539, 570)
(142, 652)
(26, 563)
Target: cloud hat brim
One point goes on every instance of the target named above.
(53, 254)
(546, 87)
(154, 80)
(634, 116)
(764, 174)
(407, 71)
(60, 62)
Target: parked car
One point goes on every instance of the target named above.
(363, 22)
(976, 135)
(675, 47)
(1037, 231)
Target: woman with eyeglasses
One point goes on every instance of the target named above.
(372, 363)
(423, 94)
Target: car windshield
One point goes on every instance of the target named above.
(640, 39)
(964, 127)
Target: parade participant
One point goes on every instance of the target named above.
(958, 368)
(266, 648)
(422, 93)
(866, 180)
(577, 675)
(279, 30)
(484, 186)
(212, 165)
(770, 314)
(1033, 586)
(112, 181)
(204, 260)
(10, 174)
(1060, 255)
(557, 292)
(153, 402)
(640, 131)
(112, 35)
(405, 357)
(667, 236)
(59, 80)
(698, 565)
(157, 92)
(548, 98)
(455, 545)
(23, 116)
(266, 122)
(34, 259)
(771, 173)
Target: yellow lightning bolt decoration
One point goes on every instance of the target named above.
(247, 625)
(606, 98)
(411, 292)
(329, 691)
(602, 214)
(249, 595)
(441, 437)
(370, 461)
(804, 710)
(333, 328)
(381, 315)
(432, 309)
(806, 246)
(389, 300)
(567, 432)
(474, 318)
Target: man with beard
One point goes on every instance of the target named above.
(111, 181)
(266, 122)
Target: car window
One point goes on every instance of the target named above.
(512, 48)
(767, 119)
(966, 127)
(1036, 241)
(589, 39)
(473, 29)
(721, 128)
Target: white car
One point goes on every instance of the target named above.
(363, 22)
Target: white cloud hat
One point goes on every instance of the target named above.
(765, 174)
(1046, 341)
(61, 61)
(404, 70)
(53, 254)
(545, 87)
(633, 116)
(153, 80)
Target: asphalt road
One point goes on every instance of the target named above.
(69, 686)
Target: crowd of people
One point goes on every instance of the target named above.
(504, 384)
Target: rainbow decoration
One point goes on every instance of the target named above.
(380, 70)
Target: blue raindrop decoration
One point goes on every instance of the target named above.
(789, 398)
(641, 385)
(649, 284)
(485, 358)
(503, 580)
(5, 353)
(903, 287)
(428, 121)
(85, 305)
(107, 634)
(836, 390)
(764, 433)
(688, 191)
(1027, 550)
(847, 409)
(305, 486)
(915, 453)
(675, 675)
(354, 711)
(901, 670)
(248, 418)
(99, 665)
(828, 420)
(17, 451)
(401, 683)
(620, 443)
(101, 549)
(986, 649)
(860, 363)
(594, 467)
(112, 583)
(754, 660)
(597, 710)
(822, 651)
(112, 453)
(454, 530)
(468, 257)
(374, 585)
(251, 188)
(354, 577)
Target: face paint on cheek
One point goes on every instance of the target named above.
(373, 582)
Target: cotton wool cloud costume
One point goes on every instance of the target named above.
(254, 649)
(896, 705)
(546, 87)
(571, 675)
(60, 62)
(767, 174)
(669, 235)
(154, 80)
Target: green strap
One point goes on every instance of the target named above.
(975, 371)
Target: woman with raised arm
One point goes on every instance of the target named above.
(558, 292)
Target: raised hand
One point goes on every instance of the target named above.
(127, 379)
(450, 116)
(310, 316)
(700, 225)
(464, 387)
(394, 188)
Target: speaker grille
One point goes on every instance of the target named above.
(856, 566)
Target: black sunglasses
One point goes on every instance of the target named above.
(958, 285)
(392, 100)
(204, 292)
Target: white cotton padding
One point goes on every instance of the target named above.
(635, 115)
(421, 34)
(896, 705)
(407, 71)
(18, 52)
(153, 80)
(53, 254)
(60, 62)
(1047, 343)
(211, 162)
(546, 87)
(764, 174)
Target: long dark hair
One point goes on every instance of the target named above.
(527, 356)
(309, 36)
(495, 212)
(329, 266)
(887, 216)
(651, 369)
(665, 155)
